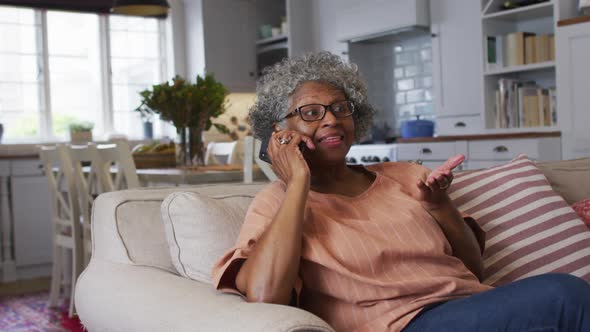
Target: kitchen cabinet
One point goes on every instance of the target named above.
(354, 18)
(220, 39)
(228, 47)
(431, 154)
(573, 82)
(457, 68)
(26, 220)
(482, 151)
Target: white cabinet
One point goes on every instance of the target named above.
(573, 81)
(457, 68)
(354, 18)
(481, 152)
(31, 210)
(220, 39)
(543, 149)
(431, 154)
(31, 214)
(25, 220)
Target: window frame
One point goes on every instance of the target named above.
(45, 130)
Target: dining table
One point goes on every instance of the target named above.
(191, 175)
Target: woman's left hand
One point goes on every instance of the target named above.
(433, 191)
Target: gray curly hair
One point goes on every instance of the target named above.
(282, 79)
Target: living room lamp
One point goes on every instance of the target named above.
(141, 7)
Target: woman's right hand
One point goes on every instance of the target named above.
(287, 160)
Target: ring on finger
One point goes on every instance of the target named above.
(446, 184)
(284, 141)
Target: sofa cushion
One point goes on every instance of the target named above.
(569, 178)
(582, 208)
(530, 229)
(199, 229)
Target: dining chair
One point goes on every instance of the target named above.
(222, 153)
(66, 230)
(92, 167)
(117, 155)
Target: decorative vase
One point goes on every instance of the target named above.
(148, 130)
(182, 147)
(196, 146)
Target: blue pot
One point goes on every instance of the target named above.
(417, 128)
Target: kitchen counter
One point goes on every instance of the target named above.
(19, 151)
(479, 137)
(574, 20)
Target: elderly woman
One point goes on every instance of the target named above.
(375, 248)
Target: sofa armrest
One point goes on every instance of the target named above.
(123, 297)
(127, 228)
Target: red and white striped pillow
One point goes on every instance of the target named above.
(530, 229)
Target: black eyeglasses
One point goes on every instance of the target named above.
(316, 112)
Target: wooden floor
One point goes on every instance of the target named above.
(24, 286)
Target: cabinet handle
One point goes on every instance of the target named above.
(500, 148)
(426, 151)
(460, 124)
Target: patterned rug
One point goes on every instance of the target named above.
(30, 313)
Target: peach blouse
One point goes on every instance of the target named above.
(368, 263)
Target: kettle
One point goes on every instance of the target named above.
(417, 128)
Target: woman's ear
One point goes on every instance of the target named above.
(277, 127)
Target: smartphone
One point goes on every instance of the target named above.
(263, 154)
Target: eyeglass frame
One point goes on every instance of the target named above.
(326, 108)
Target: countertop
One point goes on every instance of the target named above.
(19, 151)
(479, 137)
(575, 20)
(30, 151)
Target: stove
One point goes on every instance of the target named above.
(366, 154)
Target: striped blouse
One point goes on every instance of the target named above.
(368, 263)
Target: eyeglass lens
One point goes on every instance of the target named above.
(314, 112)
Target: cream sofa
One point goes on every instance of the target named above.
(131, 283)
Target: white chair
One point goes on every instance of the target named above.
(222, 153)
(118, 155)
(92, 170)
(67, 231)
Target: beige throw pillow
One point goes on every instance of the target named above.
(569, 178)
(200, 229)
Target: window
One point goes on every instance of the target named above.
(20, 73)
(137, 62)
(74, 70)
(59, 67)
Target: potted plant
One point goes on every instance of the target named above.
(190, 108)
(81, 131)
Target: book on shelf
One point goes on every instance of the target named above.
(515, 48)
(527, 95)
(529, 50)
(542, 53)
(553, 106)
(521, 104)
(543, 108)
(551, 47)
(518, 48)
(494, 52)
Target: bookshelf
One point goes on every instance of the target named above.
(540, 10)
(521, 58)
(547, 65)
